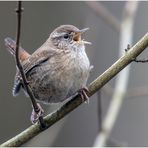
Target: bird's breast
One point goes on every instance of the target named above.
(79, 68)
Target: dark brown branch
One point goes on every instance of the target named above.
(97, 84)
(18, 63)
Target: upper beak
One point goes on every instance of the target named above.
(77, 36)
(83, 30)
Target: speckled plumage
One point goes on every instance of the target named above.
(58, 69)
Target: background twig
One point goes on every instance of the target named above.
(132, 93)
(104, 13)
(99, 110)
(76, 101)
(126, 36)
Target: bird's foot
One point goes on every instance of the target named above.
(36, 114)
(83, 94)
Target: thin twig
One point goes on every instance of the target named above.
(137, 92)
(97, 84)
(114, 143)
(18, 63)
(105, 14)
(140, 60)
(99, 110)
(132, 93)
(126, 36)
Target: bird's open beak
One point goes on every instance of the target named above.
(77, 36)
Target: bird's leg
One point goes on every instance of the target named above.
(83, 94)
(36, 114)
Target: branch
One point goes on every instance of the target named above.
(105, 14)
(18, 63)
(69, 106)
(126, 36)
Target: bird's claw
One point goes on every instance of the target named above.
(83, 94)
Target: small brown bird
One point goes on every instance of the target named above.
(56, 70)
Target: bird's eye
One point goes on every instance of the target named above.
(66, 36)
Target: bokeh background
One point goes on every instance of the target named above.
(81, 126)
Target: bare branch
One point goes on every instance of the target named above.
(69, 106)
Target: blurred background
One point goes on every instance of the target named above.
(81, 126)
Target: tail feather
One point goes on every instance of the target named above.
(23, 55)
(11, 46)
(16, 88)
